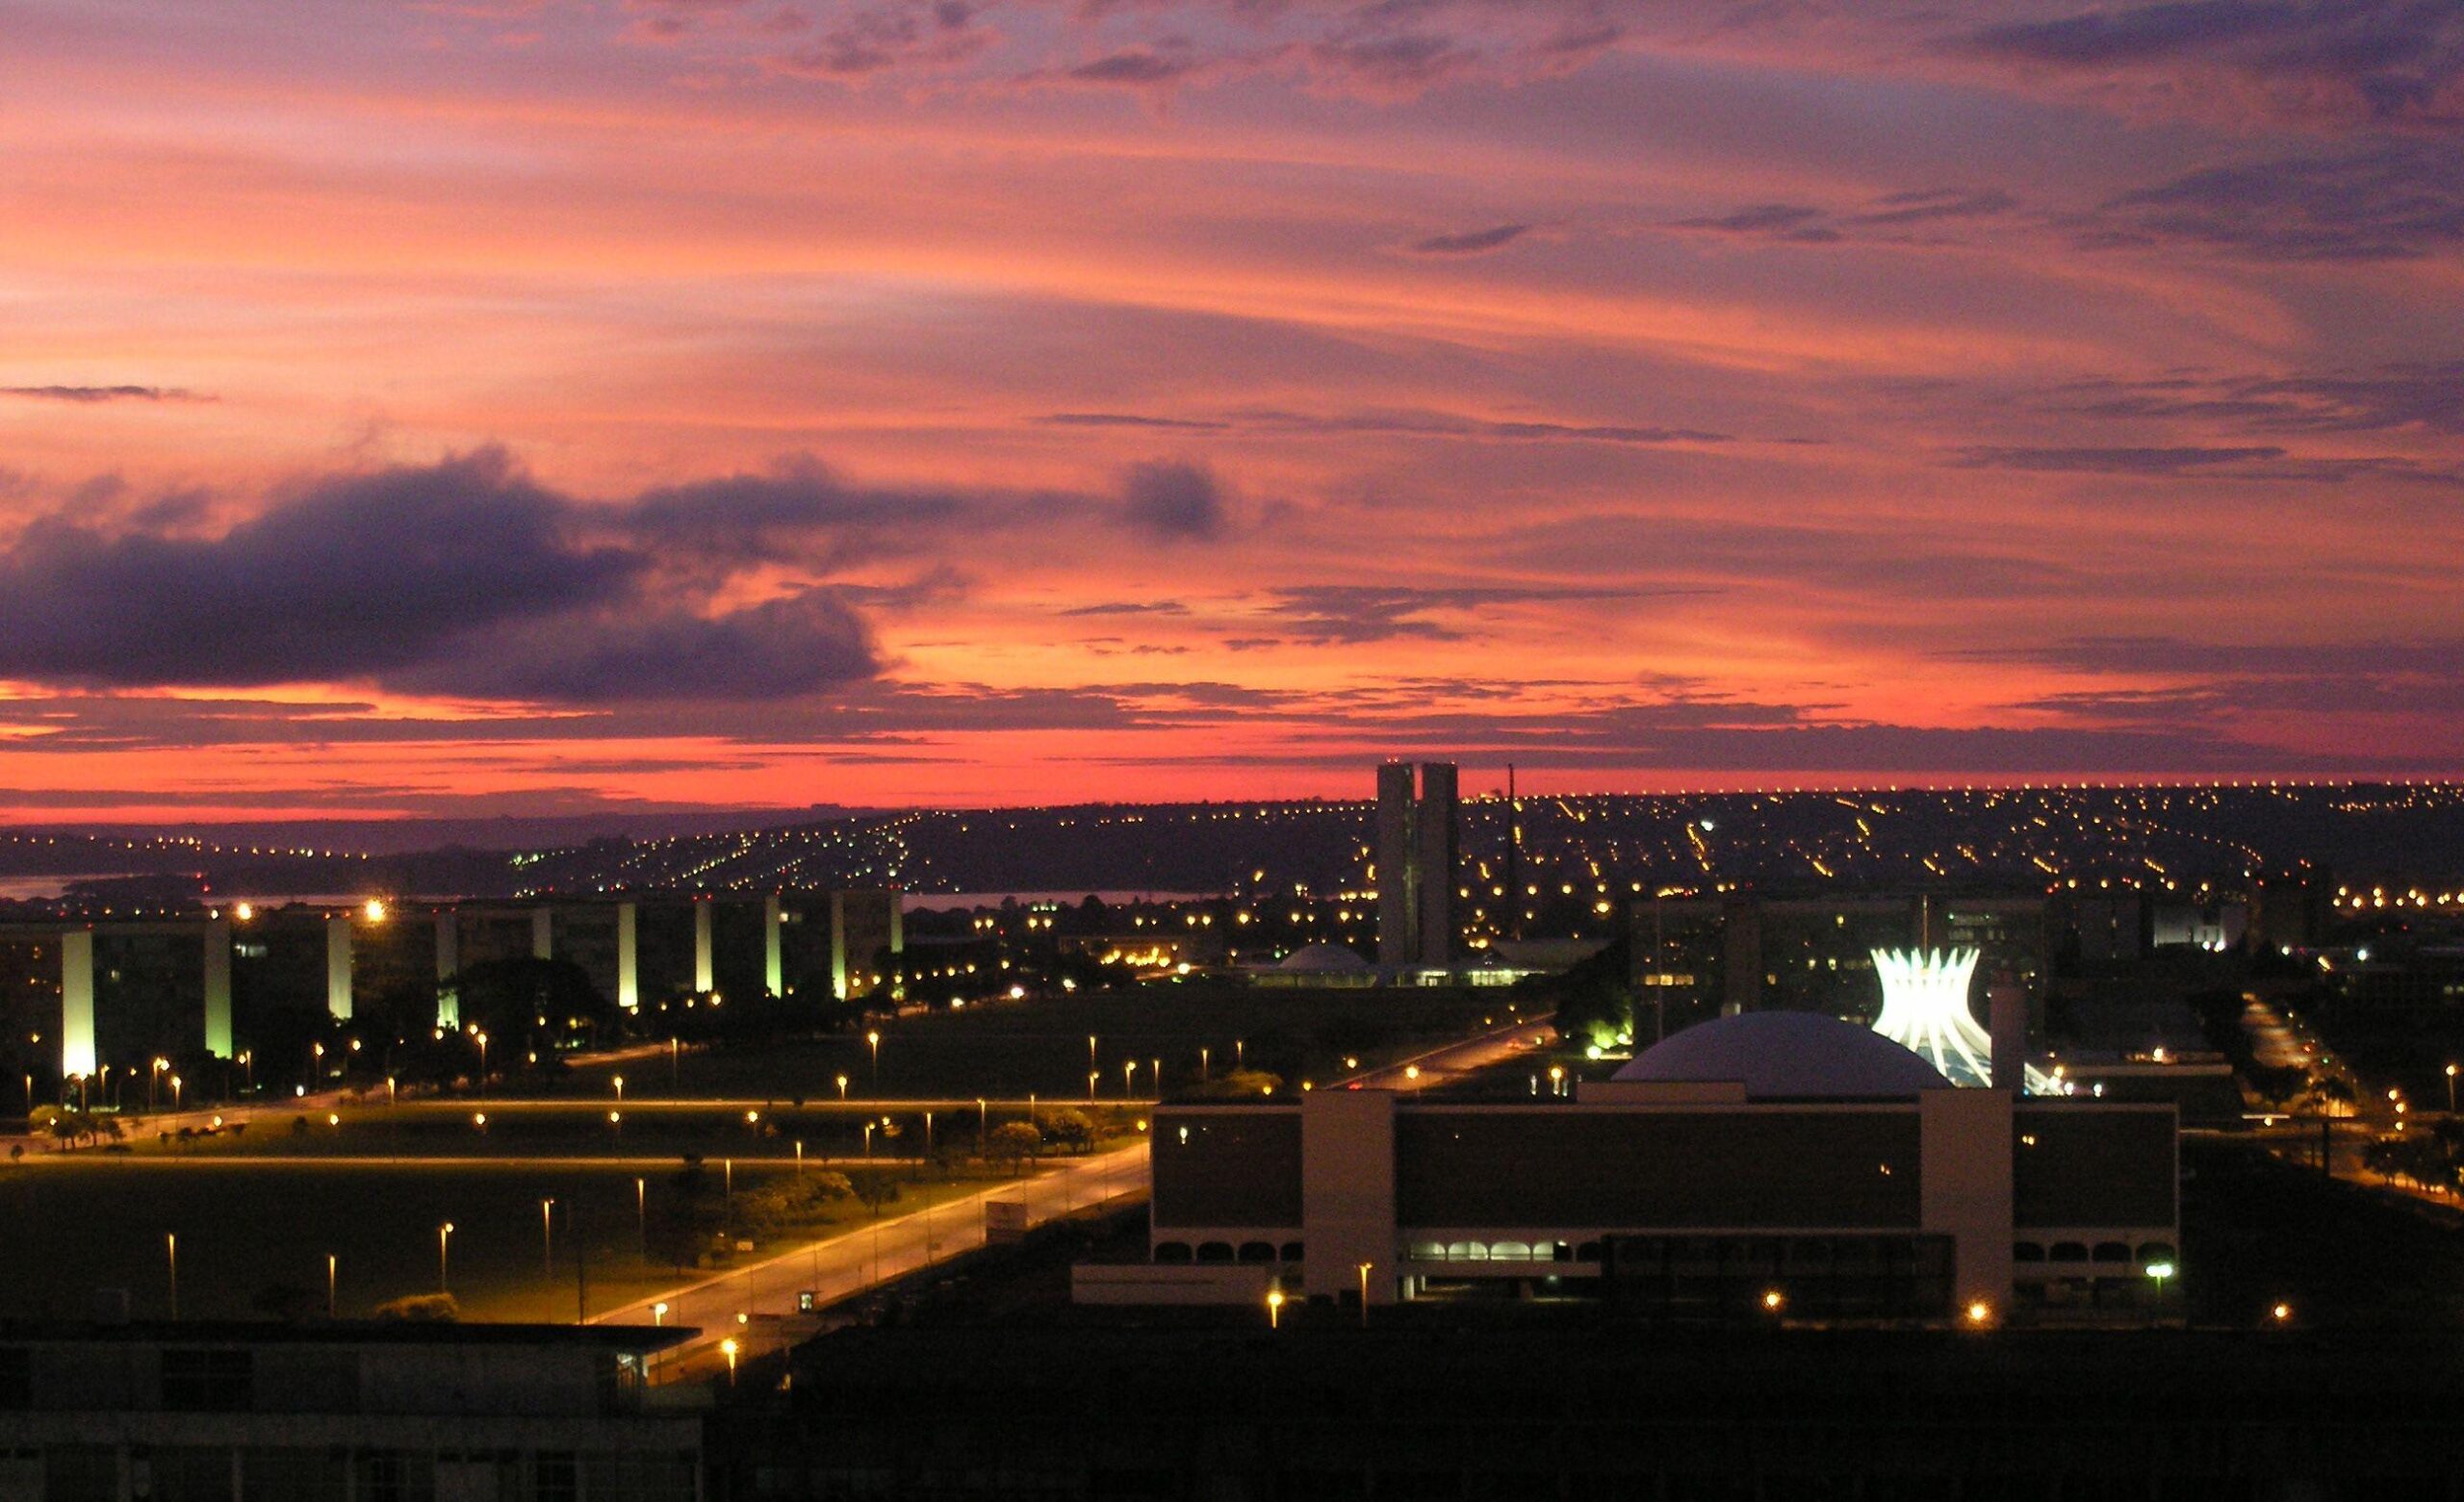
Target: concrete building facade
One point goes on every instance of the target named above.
(1782, 1156)
(1419, 864)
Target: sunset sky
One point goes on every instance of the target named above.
(546, 406)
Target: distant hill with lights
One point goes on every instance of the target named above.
(2404, 836)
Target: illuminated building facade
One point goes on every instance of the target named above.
(1772, 1153)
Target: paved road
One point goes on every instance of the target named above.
(850, 1263)
(663, 1163)
(1443, 1065)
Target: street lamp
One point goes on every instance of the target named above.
(444, 1267)
(728, 1348)
(1090, 1085)
(842, 1088)
(2450, 1089)
(868, 1141)
(1275, 1308)
(1363, 1269)
(616, 1122)
(333, 1266)
(547, 1240)
(619, 1081)
(1128, 1073)
(2160, 1271)
(642, 1215)
(175, 1096)
(1090, 1052)
(171, 1254)
(658, 1313)
(873, 1040)
(1203, 1074)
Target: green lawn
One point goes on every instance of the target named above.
(448, 1131)
(1012, 1049)
(68, 1228)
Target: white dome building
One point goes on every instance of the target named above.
(1323, 959)
(1785, 1055)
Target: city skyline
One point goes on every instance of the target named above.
(547, 407)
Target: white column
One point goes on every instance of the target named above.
(628, 957)
(338, 967)
(217, 987)
(774, 969)
(838, 945)
(704, 967)
(77, 1002)
(448, 964)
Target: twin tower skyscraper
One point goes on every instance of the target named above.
(1417, 864)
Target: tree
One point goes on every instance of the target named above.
(1013, 1143)
(1071, 1129)
(1239, 1084)
(421, 1308)
(2279, 1085)
(776, 1207)
(2325, 1092)
(874, 1186)
(689, 1218)
(1595, 1000)
(506, 998)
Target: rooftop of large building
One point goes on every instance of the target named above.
(1778, 1054)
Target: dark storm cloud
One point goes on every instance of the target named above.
(766, 518)
(2372, 677)
(1354, 613)
(2388, 203)
(1929, 204)
(89, 395)
(1136, 68)
(1129, 419)
(1403, 422)
(1403, 62)
(1131, 607)
(2175, 654)
(2422, 397)
(464, 577)
(1775, 220)
(1472, 243)
(1173, 500)
(878, 38)
(2264, 464)
(2326, 61)
(2113, 461)
(354, 577)
(791, 646)
(1896, 218)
